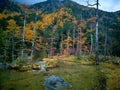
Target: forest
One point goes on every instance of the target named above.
(79, 43)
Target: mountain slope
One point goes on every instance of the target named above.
(81, 12)
(9, 5)
(77, 10)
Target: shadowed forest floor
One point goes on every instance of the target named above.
(105, 76)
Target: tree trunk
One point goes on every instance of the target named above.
(52, 40)
(91, 46)
(80, 38)
(105, 45)
(61, 44)
(51, 48)
(67, 44)
(13, 46)
(77, 47)
(97, 52)
(5, 51)
(23, 38)
(73, 46)
(33, 40)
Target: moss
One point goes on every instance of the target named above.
(87, 62)
(51, 62)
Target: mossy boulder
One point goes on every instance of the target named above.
(24, 68)
(50, 62)
(13, 67)
(36, 66)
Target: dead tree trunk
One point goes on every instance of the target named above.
(67, 44)
(97, 41)
(52, 40)
(5, 50)
(51, 47)
(33, 39)
(61, 44)
(13, 47)
(105, 45)
(73, 46)
(77, 47)
(23, 37)
(80, 39)
(97, 50)
(91, 46)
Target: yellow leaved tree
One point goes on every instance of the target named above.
(29, 32)
(12, 26)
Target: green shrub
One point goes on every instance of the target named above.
(21, 60)
(79, 57)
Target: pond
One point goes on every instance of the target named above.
(82, 77)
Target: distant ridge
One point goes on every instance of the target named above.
(9, 5)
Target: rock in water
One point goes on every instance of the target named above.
(56, 82)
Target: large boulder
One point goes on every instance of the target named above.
(56, 82)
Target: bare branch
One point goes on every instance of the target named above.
(88, 4)
(91, 4)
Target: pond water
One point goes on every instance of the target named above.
(81, 77)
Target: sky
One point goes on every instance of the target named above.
(105, 5)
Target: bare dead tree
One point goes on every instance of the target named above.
(91, 37)
(105, 44)
(52, 41)
(61, 44)
(97, 49)
(23, 37)
(77, 47)
(68, 43)
(73, 46)
(13, 46)
(34, 36)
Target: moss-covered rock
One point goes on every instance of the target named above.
(50, 62)
(25, 68)
(36, 66)
(13, 67)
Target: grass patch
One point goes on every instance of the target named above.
(81, 77)
(113, 75)
(11, 80)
